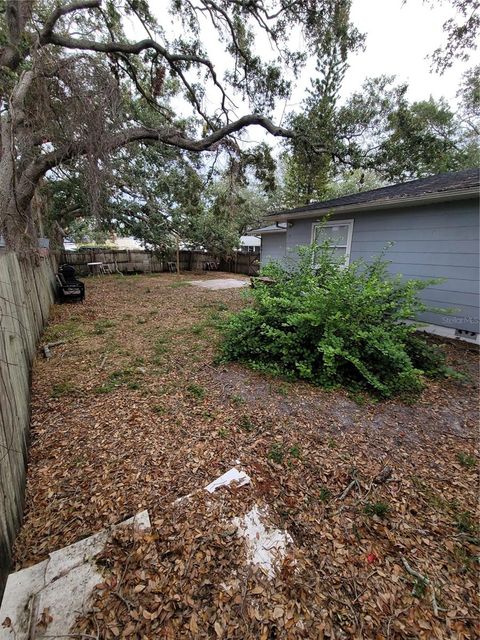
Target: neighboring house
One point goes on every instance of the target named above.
(115, 242)
(433, 223)
(250, 243)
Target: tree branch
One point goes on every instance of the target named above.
(166, 135)
(85, 44)
(60, 11)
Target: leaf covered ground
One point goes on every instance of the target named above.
(133, 412)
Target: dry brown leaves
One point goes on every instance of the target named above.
(147, 417)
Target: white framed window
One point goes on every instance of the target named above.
(339, 234)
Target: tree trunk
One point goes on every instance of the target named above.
(178, 256)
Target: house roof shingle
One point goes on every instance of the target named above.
(442, 182)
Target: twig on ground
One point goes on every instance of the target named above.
(414, 573)
(348, 489)
(425, 580)
(46, 347)
(125, 601)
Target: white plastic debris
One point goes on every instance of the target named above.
(62, 585)
(266, 546)
(232, 475)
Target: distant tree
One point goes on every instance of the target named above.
(353, 181)
(307, 166)
(383, 137)
(230, 210)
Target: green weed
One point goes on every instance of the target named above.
(465, 523)
(379, 509)
(69, 329)
(419, 587)
(246, 424)
(325, 494)
(466, 460)
(295, 451)
(159, 409)
(117, 379)
(100, 327)
(276, 453)
(196, 391)
(63, 389)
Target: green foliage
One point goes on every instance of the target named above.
(118, 378)
(276, 453)
(71, 328)
(295, 451)
(335, 326)
(419, 587)
(467, 460)
(61, 389)
(325, 494)
(383, 136)
(102, 325)
(465, 522)
(379, 509)
(196, 391)
(246, 424)
(400, 139)
(308, 160)
(461, 31)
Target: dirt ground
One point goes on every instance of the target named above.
(133, 412)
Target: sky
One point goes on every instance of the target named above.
(400, 34)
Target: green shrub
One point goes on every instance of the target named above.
(335, 326)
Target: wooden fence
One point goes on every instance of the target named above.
(26, 293)
(138, 261)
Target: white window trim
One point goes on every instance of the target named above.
(336, 223)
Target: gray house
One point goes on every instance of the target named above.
(433, 223)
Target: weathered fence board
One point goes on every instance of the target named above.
(138, 261)
(26, 293)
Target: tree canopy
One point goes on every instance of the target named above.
(379, 131)
(75, 89)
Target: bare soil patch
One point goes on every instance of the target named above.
(132, 413)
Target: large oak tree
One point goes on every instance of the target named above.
(73, 85)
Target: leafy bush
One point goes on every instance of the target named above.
(335, 326)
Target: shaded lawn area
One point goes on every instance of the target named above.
(133, 413)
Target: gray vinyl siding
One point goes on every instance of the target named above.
(431, 241)
(273, 247)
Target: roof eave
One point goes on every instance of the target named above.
(387, 203)
(260, 232)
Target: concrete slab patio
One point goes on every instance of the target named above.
(220, 283)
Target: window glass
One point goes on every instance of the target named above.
(336, 234)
